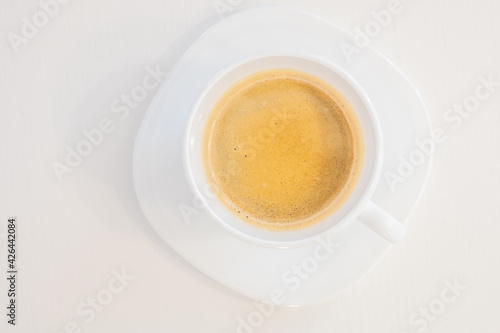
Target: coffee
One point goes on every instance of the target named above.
(282, 149)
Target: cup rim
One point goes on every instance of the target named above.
(364, 197)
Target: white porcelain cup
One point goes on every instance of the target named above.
(357, 206)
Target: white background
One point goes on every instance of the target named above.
(73, 234)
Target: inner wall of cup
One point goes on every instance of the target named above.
(209, 97)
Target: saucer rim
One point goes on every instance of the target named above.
(165, 88)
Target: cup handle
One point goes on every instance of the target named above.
(382, 223)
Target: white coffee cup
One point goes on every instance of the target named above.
(357, 206)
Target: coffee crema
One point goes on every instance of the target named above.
(282, 149)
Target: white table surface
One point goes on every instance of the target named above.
(72, 235)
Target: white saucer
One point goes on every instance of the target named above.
(250, 270)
